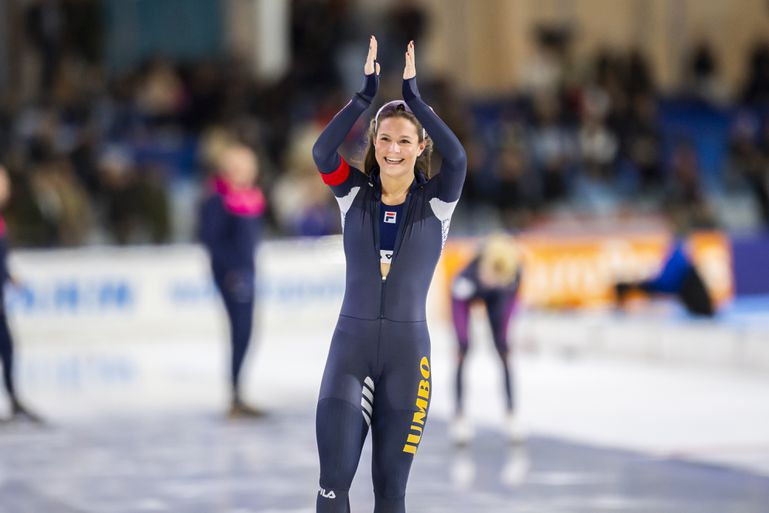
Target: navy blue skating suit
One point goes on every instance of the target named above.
(6, 342)
(500, 302)
(378, 370)
(230, 228)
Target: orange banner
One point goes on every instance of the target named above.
(579, 271)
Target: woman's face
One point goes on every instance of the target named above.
(397, 146)
(238, 166)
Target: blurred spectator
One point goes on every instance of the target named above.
(62, 200)
(302, 203)
(546, 69)
(404, 21)
(46, 26)
(609, 77)
(515, 193)
(85, 29)
(685, 199)
(702, 75)
(598, 146)
(160, 94)
(756, 88)
(317, 29)
(642, 141)
(637, 74)
(552, 148)
(135, 199)
(759, 178)
(747, 168)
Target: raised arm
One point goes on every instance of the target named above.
(454, 167)
(325, 150)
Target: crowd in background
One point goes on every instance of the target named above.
(111, 158)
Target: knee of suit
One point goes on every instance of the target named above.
(236, 286)
(500, 343)
(390, 489)
(332, 501)
(340, 433)
(384, 504)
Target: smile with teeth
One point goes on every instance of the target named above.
(394, 161)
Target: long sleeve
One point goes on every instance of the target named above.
(454, 167)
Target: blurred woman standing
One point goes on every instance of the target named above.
(18, 410)
(230, 228)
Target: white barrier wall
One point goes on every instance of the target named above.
(114, 330)
(120, 329)
(129, 292)
(104, 300)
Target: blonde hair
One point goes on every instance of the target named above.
(501, 257)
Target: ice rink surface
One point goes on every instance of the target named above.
(138, 425)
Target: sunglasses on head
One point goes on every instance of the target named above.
(392, 106)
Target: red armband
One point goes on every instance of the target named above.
(337, 176)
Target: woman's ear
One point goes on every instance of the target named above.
(422, 147)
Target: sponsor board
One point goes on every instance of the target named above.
(579, 271)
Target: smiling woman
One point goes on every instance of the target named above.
(378, 369)
(398, 148)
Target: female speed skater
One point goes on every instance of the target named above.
(395, 220)
(493, 278)
(230, 228)
(18, 410)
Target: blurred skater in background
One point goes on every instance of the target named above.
(492, 278)
(17, 409)
(230, 228)
(679, 278)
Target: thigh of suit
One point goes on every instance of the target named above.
(499, 307)
(377, 375)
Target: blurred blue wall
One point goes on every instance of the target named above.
(179, 29)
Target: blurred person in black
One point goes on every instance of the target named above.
(748, 162)
(230, 228)
(552, 149)
(678, 277)
(46, 30)
(760, 179)
(136, 201)
(317, 33)
(18, 410)
(702, 75)
(642, 141)
(756, 88)
(514, 193)
(62, 200)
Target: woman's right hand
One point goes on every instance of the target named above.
(371, 63)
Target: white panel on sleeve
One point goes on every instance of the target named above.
(443, 211)
(345, 202)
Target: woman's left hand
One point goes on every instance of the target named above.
(410, 70)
